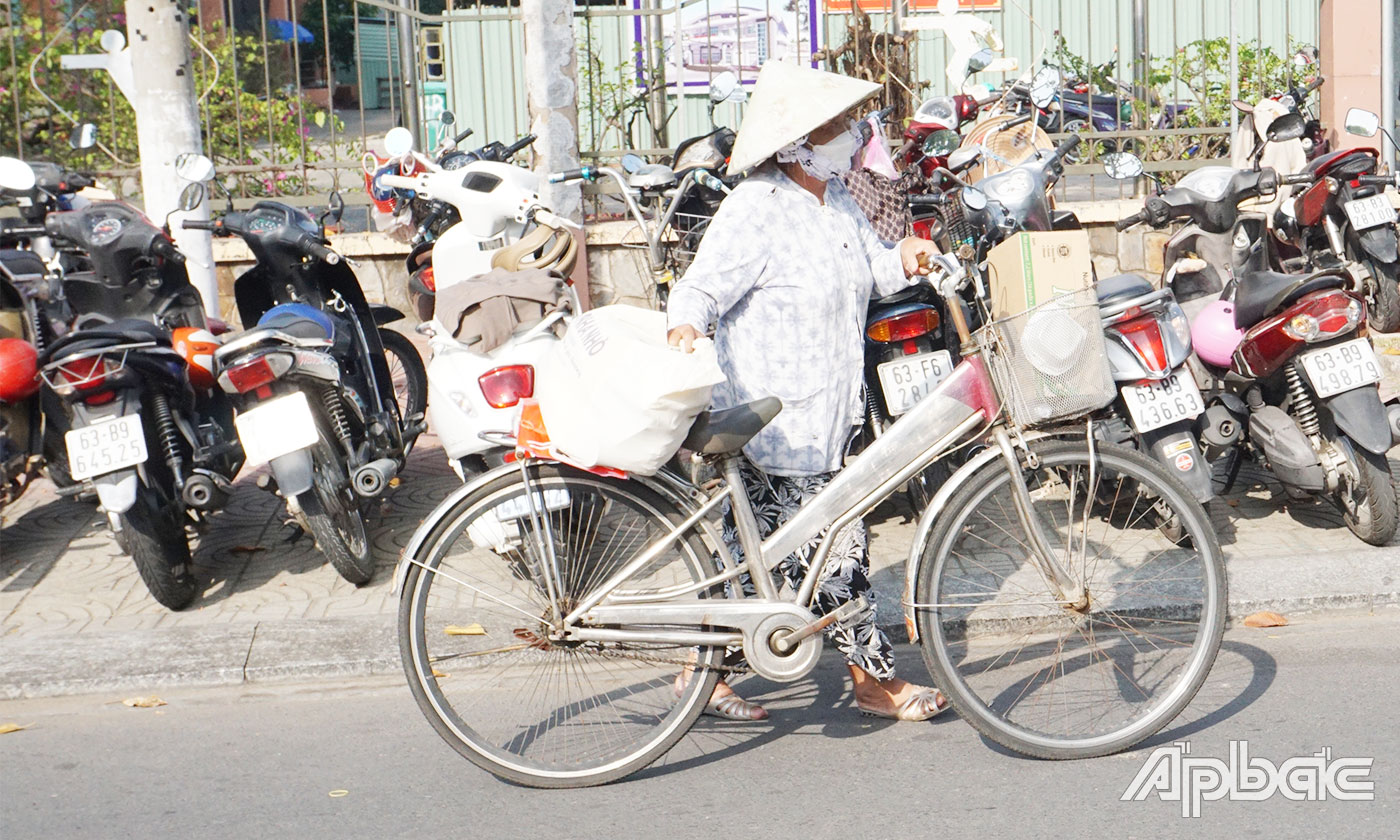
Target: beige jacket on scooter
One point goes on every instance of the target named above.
(1287, 157)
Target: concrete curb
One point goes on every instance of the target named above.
(138, 661)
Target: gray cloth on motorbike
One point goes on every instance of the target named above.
(485, 311)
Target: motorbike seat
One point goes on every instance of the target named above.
(1121, 287)
(908, 293)
(298, 320)
(725, 431)
(1260, 294)
(125, 331)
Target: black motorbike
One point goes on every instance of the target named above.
(313, 377)
(159, 448)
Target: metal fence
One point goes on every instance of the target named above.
(293, 91)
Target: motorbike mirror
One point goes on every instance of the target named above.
(447, 119)
(15, 175)
(1306, 56)
(1242, 106)
(83, 136)
(963, 158)
(941, 143)
(979, 61)
(190, 197)
(1288, 126)
(335, 208)
(631, 163)
(1122, 166)
(398, 142)
(1044, 85)
(194, 167)
(1362, 123)
(974, 199)
(725, 87)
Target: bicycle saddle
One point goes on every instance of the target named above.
(725, 431)
(1260, 294)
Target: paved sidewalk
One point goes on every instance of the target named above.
(76, 618)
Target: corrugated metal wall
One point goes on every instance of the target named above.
(484, 55)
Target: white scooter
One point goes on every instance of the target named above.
(503, 225)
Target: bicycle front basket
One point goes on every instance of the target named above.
(1050, 362)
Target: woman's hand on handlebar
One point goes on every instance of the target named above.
(914, 254)
(684, 337)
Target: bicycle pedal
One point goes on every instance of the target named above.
(854, 612)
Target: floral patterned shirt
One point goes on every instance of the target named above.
(785, 280)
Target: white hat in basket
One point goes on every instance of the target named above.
(789, 102)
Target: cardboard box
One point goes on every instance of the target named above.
(1030, 268)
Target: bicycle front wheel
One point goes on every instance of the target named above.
(1076, 674)
(478, 606)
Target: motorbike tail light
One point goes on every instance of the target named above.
(1143, 336)
(505, 386)
(1311, 205)
(1325, 318)
(967, 107)
(904, 327)
(251, 374)
(426, 275)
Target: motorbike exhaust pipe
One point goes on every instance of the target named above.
(371, 479)
(1220, 427)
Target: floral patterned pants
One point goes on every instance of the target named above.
(846, 575)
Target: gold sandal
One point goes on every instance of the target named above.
(922, 705)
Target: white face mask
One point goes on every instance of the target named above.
(826, 161)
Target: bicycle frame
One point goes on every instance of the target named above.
(963, 405)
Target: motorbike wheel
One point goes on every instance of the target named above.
(406, 372)
(1369, 507)
(1384, 314)
(154, 535)
(335, 519)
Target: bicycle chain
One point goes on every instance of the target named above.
(536, 641)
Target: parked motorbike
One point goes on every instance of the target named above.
(1289, 377)
(1342, 218)
(311, 378)
(487, 197)
(147, 426)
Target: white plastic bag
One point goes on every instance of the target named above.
(614, 394)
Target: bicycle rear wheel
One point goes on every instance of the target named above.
(1057, 680)
(475, 616)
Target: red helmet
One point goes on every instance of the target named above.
(19, 369)
(197, 346)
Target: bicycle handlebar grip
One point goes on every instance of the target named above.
(460, 137)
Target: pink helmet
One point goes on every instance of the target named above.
(1214, 335)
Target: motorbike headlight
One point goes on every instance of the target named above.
(1210, 182)
(699, 155)
(1010, 186)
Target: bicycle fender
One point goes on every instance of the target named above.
(930, 515)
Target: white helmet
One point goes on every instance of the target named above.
(789, 102)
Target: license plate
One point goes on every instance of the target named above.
(519, 507)
(106, 446)
(1163, 402)
(1370, 212)
(1341, 367)
(276, 428)
(906, 381)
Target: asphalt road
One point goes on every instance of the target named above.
(240, 762)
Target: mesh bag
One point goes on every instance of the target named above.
(1050, 362)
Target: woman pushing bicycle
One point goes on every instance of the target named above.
(784, 274)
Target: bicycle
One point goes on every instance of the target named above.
(547, 610)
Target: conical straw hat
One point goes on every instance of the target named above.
(789, 102)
